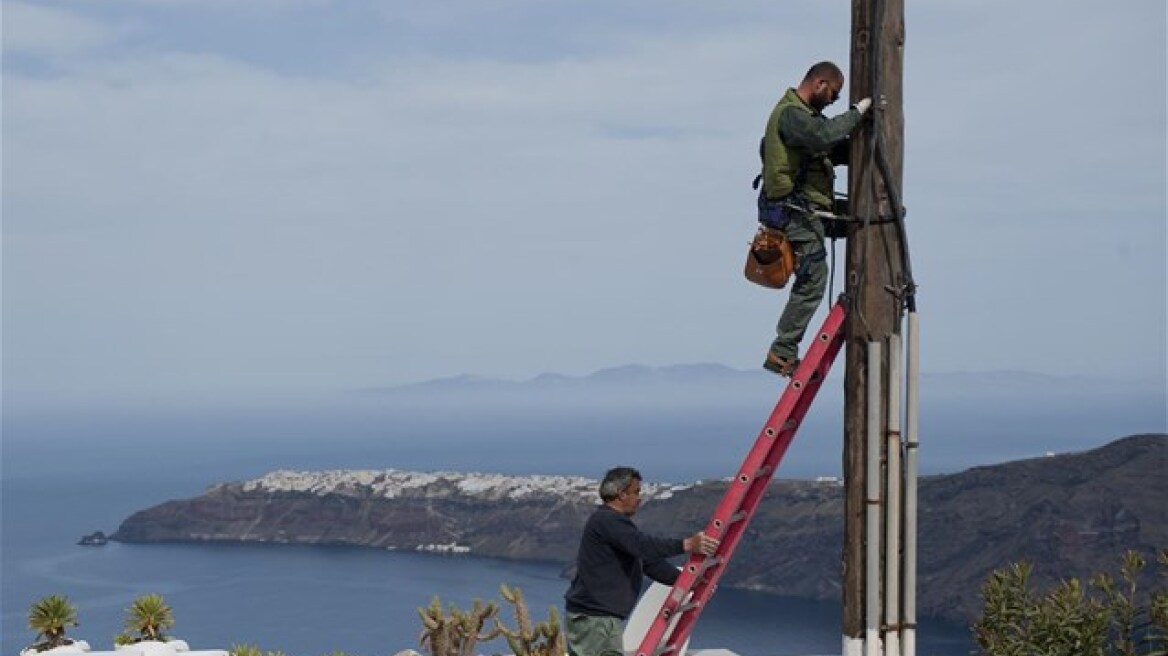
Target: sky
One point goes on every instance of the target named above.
(329, 195)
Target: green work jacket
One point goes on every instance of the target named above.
(797, 136)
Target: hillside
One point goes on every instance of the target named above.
(1069, 514)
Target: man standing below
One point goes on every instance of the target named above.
(614, 557)
(799, 150)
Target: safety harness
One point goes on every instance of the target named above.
(771, 259)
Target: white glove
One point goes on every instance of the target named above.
(862, 105)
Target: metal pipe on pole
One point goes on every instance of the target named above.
(892, 506)
(872, 557)
(908, 625)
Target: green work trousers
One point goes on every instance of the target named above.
(590, 635)
(806, 234)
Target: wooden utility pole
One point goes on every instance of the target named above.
(875, 276)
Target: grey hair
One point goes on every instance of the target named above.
(617, 480)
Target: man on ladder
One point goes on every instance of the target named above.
(799, 150)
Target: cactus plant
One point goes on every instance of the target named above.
(456, 634)
(542, 639)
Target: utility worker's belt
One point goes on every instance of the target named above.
(777, 213)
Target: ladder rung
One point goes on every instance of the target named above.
(737, 517)
(709, 562)
(765, 470)
(661, 651)
(687, 607)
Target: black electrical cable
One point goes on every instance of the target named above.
(831, 277)
(881, 159)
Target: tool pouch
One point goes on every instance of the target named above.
(770, 260)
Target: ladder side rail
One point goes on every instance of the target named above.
(747, 488)
(822, 351)
(689, 580)
(747, 485)
(821, 355)
(777, 432)
(761, 483)
(704, 587)
(813, 383)
(753, 495)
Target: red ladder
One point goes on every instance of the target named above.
(698, 579)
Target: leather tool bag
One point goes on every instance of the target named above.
(770, 260)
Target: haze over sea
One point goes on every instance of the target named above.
(69, 471)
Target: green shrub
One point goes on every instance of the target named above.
(1104, 618)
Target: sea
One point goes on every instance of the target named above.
(64, 474)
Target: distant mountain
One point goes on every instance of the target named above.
(712, 376)
(626, 374)
(1071, 515)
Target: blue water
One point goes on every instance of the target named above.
(65, 474)
(313, 600)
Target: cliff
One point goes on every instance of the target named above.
(1070, 515)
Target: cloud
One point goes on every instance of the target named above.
(206, 210)
(40, 31)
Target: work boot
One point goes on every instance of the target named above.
(780, 365)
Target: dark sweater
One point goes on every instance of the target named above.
(614, 557)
